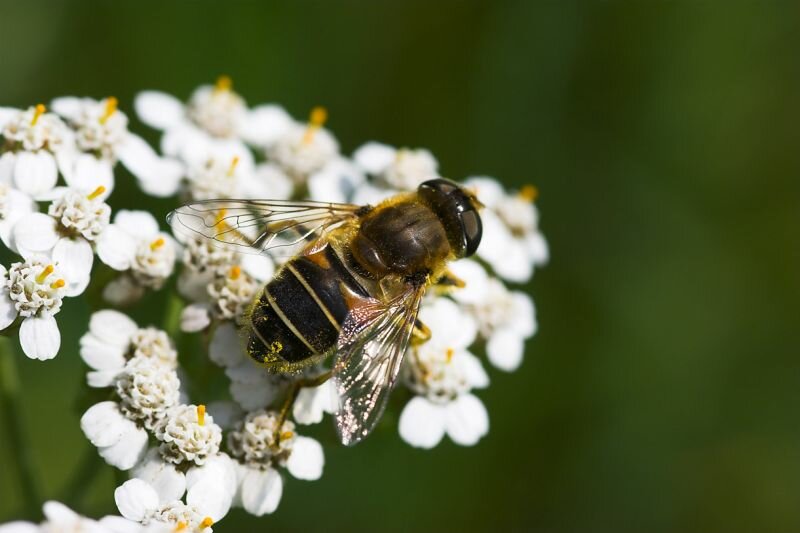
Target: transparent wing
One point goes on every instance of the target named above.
(258, 226)
(370, 350)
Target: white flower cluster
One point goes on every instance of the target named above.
(190, 464)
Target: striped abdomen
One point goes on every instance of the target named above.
(297, 318)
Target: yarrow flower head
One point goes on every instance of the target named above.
(101, 139)
(134, 244)
(114, 339)
(401, 169)
(442, 372)
(33, 290)
(304, 148)
(512, 243)
(188, 435)
(33, 138)
(261, 443)
(75, 220)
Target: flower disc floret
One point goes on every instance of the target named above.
(152, 343)
(259, 443)
(147, 390)
(81, 214)
(35, 287)
(218, 110)
(34, 129)
(232, 293)
(188, 435)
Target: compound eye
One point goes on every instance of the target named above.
(473, 230)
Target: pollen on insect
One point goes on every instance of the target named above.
(317, 118)
(529, 193)
(38, 112)
(232, 168)
(44, 273)
(57, 284)
(111, 108)
(235, 272)
(223, 83)
(158, 243)
(97, 192)
(207, 522)
(201, 414)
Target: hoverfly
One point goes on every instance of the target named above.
(353, 286)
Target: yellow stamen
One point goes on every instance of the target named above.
(111, 108)
(232, 168)
(201, 414)
(318, 117)
(224, 83)
(156, 244)
(180, 526)
(529, 193)
(57, 284)
(207, 522)
(235, 272)
(44, 273)
(219, 220)
(97, 192)
(286, 435)
(449, 354)
(38, 112)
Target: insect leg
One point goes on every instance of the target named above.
(420, 334)
(291, 396)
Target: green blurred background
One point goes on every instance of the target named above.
(661, 391)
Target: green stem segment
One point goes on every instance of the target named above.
(14, 427)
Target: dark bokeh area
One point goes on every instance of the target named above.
(661, 392)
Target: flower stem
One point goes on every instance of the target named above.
(291, 396)
(171, 320)
(81, 480)
(12, 413)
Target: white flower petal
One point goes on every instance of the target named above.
(260, 267)
(538, 249)
(505, 349)
(265, 124)
(69, 107)
(488, 190)
(113, 327)
(168, 482)
(35, 173)
(211, 487)
(514, 265)
(375, 157)
(128, 451)
(138, 157)
(36, 232)
(74, 258)
(261, 491)
(524, 317)
(422, 423)
(140, 224)
(225, 347)
(6, 114)
(135, 499)
(99, 379)
(252, 396)
(103, 424)
(20, 527)
(311, 403)
(116, 248)
(86, 172)
(473, 370)
(475, 278)
(195, 317)
(8, 312)
(450, 325)
(39, 337)
(306, 460)
(158, 110)
(164, 178)
(101, 355)
(466, 420)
